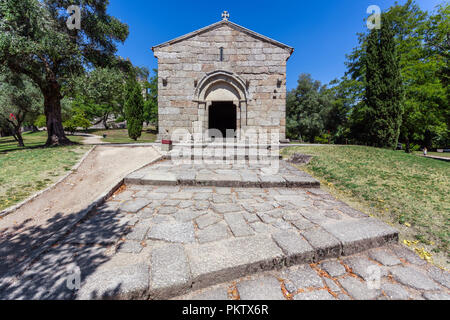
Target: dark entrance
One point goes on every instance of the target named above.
(222, 116)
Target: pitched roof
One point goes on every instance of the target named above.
(230, 24)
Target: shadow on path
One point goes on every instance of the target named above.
(57, 273)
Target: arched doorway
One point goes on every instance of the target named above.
(222, 102)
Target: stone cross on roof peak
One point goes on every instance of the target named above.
(225, 16)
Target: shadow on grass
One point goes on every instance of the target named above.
(17, 148)
(33, 146)
(47, 278)
(7, 141)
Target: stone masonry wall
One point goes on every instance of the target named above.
(257, 61)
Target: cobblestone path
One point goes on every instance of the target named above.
(227, 232)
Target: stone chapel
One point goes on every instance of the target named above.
(223, 77)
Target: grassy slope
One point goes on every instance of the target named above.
(121, 136)
(403, 190)
(23, 172)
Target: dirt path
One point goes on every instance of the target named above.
(102, 169)
(93, 139)
(99, 172)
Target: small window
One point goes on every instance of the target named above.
(221, 54)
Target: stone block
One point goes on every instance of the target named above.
(134, 205)
(324, 244)
(302, 278)
(318, 295)
(225, 260)
(213, 233)
(207, 220)
(170, 273)
(384, 256)
(176, 232)
(272, 181)
(214, 294)
(395, 291)
(441, 296)
(364, 267)
(130, 247)
(266, 288)
(358, 289)
(188, 215)
(121, 282)
(238, 225)
(296, 249)
(413, 278)
(226, 208)
(362, 234)
(159, 178)
(333, 267)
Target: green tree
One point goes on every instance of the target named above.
(437, 41)
(36, 41)
(383, 92)
(99, 93)
(20, 103)
(40, 121)
(342, 99)
(134, 109)
(425, 98)
(422, 46)
(307, 109)
(77, 120)
(151, 102)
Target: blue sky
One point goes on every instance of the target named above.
(322, 32)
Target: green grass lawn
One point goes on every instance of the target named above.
(31, 140)
(121, 136)
(407, 191)
(24, 171)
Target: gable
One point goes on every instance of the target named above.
(231, 25)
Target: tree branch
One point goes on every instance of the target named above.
(18, 69)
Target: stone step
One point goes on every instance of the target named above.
(227, 146)
(306, 283)
(234, 175)
(217, 181)
(233, 157)
(196, 266)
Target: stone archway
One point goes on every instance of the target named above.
(221, 89)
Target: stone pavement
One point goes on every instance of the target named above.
(152, 240)
(403, 276)
(161, 241)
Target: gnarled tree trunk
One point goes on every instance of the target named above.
(52, 108)
(105, 121)
(18, 137)
(408, 144)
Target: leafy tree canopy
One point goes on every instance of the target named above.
(21, 103)
(35, 41)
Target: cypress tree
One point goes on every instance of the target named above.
(392, 90)
(134, 109)
(373, 86)
(384, 92)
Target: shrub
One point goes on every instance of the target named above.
(41, 121)
(78, 120)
